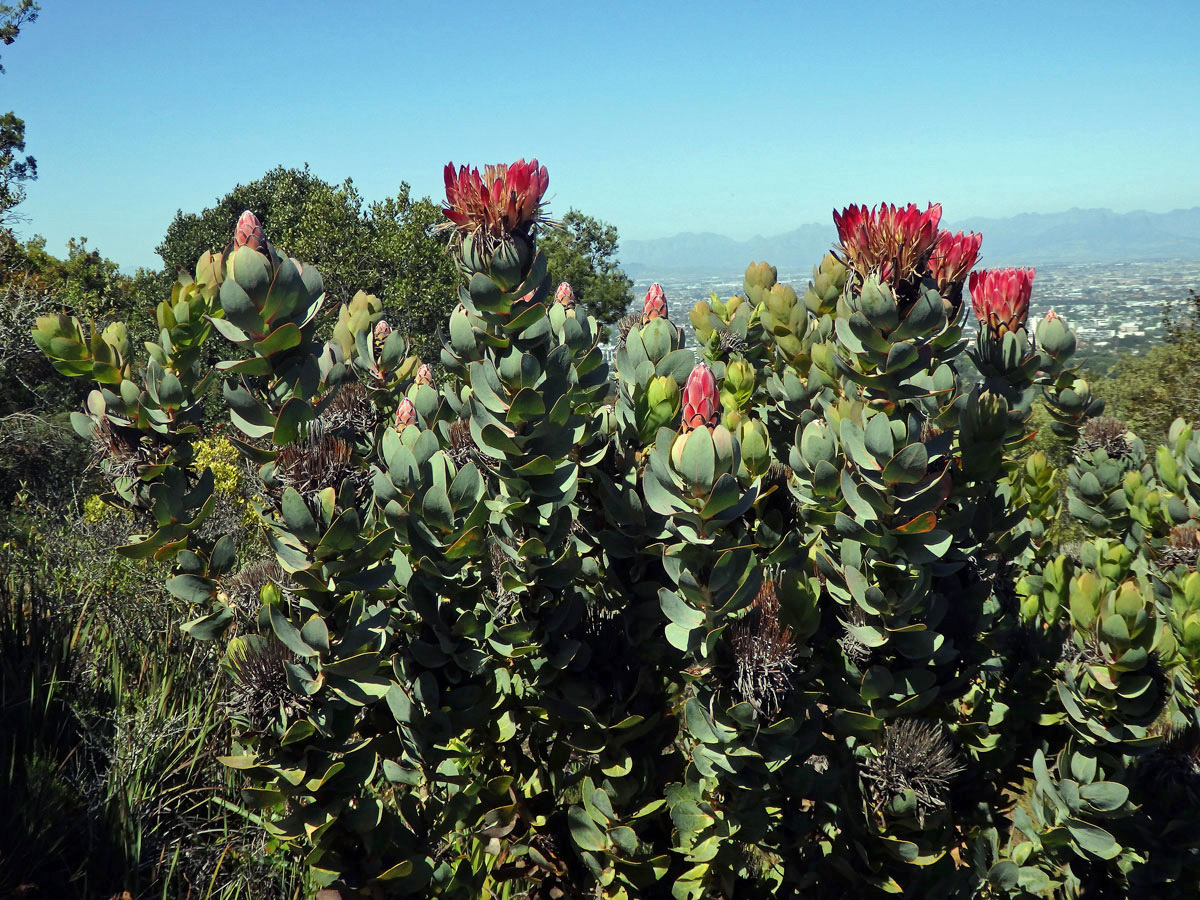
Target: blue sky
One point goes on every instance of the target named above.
(742, 119)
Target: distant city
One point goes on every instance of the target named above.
(1116, 308)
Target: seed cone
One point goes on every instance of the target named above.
(1107, 434)
(317, 461)
(764, 653)
(1183, 547)
(260, 694)
(350, 412)
(916, 756)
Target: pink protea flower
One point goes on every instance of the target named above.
(888, 240)
(701, 399)
(504, 200)
(424, 375)
(406, 414)
(655, 305)
(249, 232)
(952, 258)
(1000, 298)
(564, 295)
(382, 330)
(1052, 316)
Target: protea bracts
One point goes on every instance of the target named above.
(892, 242)
(701, 400)
(564, 296)
(504, 200)
(1000, 298)
(424, 375)
(249, 233)
(952, 258)
(406, 414)
(655, 304)
(380, 333)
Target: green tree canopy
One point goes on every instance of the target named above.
(583, 252)
(1149, 392)
(388, 248)
(16, 167)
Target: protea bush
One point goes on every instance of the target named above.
(782, 616)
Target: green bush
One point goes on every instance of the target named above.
(787, 620)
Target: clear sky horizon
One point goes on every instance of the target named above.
(659, 118)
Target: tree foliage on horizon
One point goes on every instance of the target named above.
(16, 167)
(389, 248)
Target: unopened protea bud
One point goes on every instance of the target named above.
(564, 296)
(1000, 298)
(655, 305)
(952, 258)
(657, 407)
(1055, 337)
(699, 318)
(701, 400)
(424, 375)
(249, 233)
(381, 332)
(755, 445)
(737, 389)
(406, 414)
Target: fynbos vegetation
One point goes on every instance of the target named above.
(786, 618)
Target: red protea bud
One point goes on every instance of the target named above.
(1000, 298)
(382, 330)
(504, 200)
(424, 375)
(655, 305)
(406, 414)
(1052, 316)
(890, 241)
(701, 399)
(565, 296)
(952, 258)
(249, 232)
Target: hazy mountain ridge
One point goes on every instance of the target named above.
(1073, 236)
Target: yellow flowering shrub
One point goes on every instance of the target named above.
(219, 455)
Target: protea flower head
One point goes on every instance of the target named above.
(952, 258)
(564, 296)
(503, 201)
(701, 400)
(382, 330)
(655, 304)
(406, 414)
(249, 232)
(890, 241)
(424, 375)
(1000, 298)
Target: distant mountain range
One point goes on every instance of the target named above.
(1030, 239)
